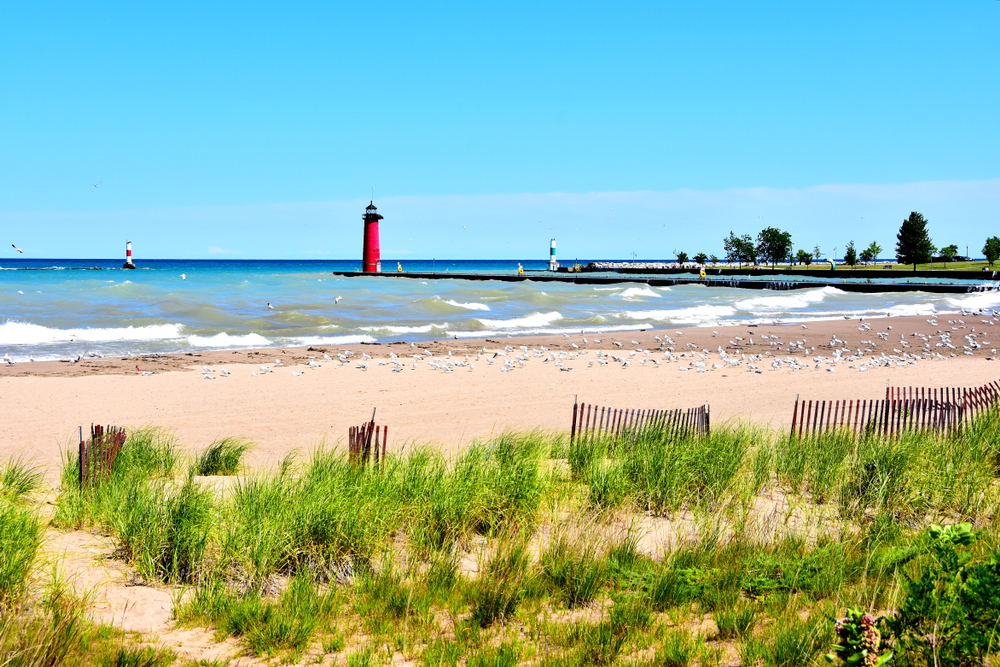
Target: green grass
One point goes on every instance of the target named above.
(20, 537)
(18, 479)
(222, 457)
(54, 630)
(502, 555)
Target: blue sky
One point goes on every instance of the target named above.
(260, 129)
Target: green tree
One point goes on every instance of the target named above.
(913, 243)
(682, 257)
(870, 254)
(713, 259)
(992, 250)
(948, 252)
(773, 245)
(739, 249)
(701, 258)
(817, 253)
(850, 254)
(804, 257)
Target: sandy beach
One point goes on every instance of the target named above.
(297, 406)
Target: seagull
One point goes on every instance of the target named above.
(269, 306)
(20, 292)
(296, 373)
(184, 276)
(209, 377)
(223, 371)
(16, 248)
(338, 299)
(147, 373)
(97, 184)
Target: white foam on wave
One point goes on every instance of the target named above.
(904, 309)
(692, 315)
(468, 306)
(533, 320)
(787, 301)
(427, 328)
(225, 340)
(634, 293)
(977, 300)
(26, 333)
(552, 331)
(330, 340)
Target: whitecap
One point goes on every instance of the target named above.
(633, 293)
(330, 340)
(692, 315)
(427, 328)
(225, 340)
(26, 333)
(533, 320)
(787, 301)
(469, 306)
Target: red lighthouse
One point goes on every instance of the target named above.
(371, 258)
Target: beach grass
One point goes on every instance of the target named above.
(222, 457)
(658, 549)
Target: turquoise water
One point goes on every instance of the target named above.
(64, 311)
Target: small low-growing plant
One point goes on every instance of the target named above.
(951, 605)
(222, 457)
(859, 642)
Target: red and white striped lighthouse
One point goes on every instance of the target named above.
(128, 256)
(371, 257)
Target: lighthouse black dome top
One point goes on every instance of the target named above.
(371, 213)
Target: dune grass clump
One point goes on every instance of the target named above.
(18, 479)
(148, 454)
(573, 569)
(500, 589)
(20, 537)
(222, 457)
(160, 526)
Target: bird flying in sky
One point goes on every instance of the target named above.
(16, 248)
(97, 184)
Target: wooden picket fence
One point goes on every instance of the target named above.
(97, 456)
(363, 443)
(904, 409)
(592, 421)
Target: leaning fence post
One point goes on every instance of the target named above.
(572, 428)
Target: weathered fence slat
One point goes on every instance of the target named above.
(591, 421)
(96, 457)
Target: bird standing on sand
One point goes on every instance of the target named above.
(16, 248)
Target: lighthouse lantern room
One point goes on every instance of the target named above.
(371, 258)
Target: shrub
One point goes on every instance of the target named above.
(951, 606)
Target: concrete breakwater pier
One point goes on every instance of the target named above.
(866, 286)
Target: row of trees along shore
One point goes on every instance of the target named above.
(913, 246)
